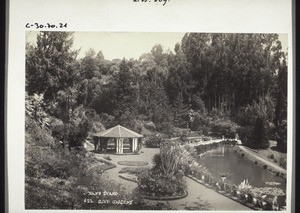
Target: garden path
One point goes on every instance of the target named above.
(195, 190)
(198, 194)
(113, 174)
(247, 151)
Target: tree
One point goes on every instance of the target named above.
(280, 120)
(89, 65)
(229, 71)
(264, 108)
(259, 139)
(124, 92)
(75, 125)
(180, 110)
(50, 65)
(178, 82)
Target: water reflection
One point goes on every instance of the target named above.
(223, 161)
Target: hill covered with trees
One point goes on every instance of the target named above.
(222, 83)
(219, 84)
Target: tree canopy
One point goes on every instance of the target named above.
(242, 76)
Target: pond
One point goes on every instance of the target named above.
(224, 161)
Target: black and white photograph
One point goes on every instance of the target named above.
(156, 121)
(150, 106)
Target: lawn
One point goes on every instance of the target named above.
(266, 153)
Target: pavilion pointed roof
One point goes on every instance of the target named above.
(118, 132)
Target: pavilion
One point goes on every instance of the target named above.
(117, 140)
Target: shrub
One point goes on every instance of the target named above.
(183, 139)
(206, 138)
(165, 128)
(224, 127)
(200, 122)
(282, 162)
(154, 141)
(245, 133)
(256, 162)
(271, 156)
(259, 139)
(158, 184)
(242, 155)
(56, 178)
(107, 157)
(265, 166)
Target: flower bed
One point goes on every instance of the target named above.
(133, 163)
(159, 185)
(154, 187)
(263, 201)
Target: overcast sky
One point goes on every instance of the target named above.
(126, 45)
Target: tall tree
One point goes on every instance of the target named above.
(124, 92)
(280, 119)
(259, 138)
(50, 65)
(178, 82)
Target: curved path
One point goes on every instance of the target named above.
(113, 173)
(198, 194)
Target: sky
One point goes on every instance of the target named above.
(120, 45)
(126, 44)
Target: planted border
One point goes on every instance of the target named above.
(200, 174)
(150, 197)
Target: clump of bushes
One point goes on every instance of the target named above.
(255, 136)
(107, 157)
(282, 162)
(56, 178)
(161, 185)
(225, 128)
(154, 141)
(166, 178)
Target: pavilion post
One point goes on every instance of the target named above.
(134, 144)
(119, 146)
